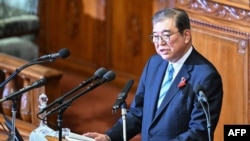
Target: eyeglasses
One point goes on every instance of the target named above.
(156, 38)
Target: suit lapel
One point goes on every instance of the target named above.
(156, 85)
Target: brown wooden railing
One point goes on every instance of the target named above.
(27, 103)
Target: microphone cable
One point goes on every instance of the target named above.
(207, 113)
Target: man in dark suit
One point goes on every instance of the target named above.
(180, 115)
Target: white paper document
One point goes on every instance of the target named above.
(77, 137)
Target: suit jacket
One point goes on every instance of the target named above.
(180, 116)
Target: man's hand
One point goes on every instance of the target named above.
(97, 136)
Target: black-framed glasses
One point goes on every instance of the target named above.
(164, 37)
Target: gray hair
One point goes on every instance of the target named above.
(181, 18)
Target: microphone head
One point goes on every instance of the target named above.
(109, 76)
(40, 83)
(63, 53)
(199, 90)
(100, 72)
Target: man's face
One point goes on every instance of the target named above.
(169, 43)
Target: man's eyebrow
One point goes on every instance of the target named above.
(167, 30)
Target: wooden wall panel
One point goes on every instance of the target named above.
(78, 25)
(130, 44)
(99, 33)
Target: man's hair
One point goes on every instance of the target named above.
(180, 16)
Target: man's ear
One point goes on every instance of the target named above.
(187, 35)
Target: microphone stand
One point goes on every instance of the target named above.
(13, 132)
(121, 103)
(124, 113)
(59, 121)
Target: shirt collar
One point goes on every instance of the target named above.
(177, 65)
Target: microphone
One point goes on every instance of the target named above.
(36, 84)
(63, 53)
(201, 94)
(108, 76)
(123, 95)
(203, 98)
(97, 75)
